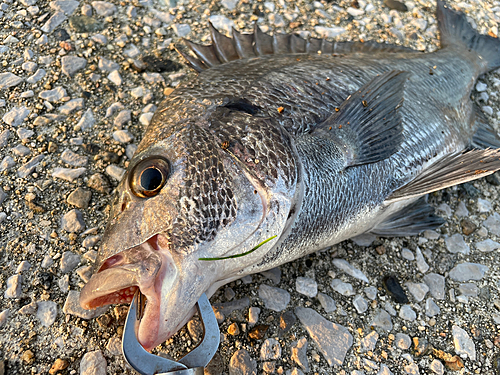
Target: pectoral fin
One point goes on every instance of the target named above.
(451, 170)
(368, 125)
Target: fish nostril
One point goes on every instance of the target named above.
(125, 203)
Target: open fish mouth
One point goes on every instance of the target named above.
(142, 267)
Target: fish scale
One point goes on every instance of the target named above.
(276, 150)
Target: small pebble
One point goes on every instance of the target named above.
(349, 269)
(327, 302)
(46, 313)
(437, 367)
(93, 363)
(13, 287)
(431, 308)
(339, 286)
(421, 263)
(69, 261)
(72, 221)
(275, 299)
(383, 320)
(306, 286)
(299, 353)
(468, 271)
(407, 313)
(4, 315)
(253, 315)
(115, 172)
(72, 307)
(463, 343)
(270, 349)
(487, 246)
(242, 364)
(360, 304)
(369, 341)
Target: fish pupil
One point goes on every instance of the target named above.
(151, 179)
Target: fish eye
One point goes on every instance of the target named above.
(149, 176)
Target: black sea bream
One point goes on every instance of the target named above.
(310, 141)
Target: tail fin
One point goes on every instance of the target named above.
(456, 31)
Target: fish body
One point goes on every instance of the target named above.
(275, 139)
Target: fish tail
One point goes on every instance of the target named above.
(456, 31)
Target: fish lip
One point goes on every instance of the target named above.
(97, 292)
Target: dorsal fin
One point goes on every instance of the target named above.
(241, 46)
(367, 125)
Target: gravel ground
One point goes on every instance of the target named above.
(79, 82)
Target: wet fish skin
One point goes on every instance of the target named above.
(255, 149)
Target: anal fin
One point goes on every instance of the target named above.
(451, 170)
(485, 136)
(409, 221)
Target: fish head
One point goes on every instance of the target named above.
(188, 194)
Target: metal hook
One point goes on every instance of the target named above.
(192, 363)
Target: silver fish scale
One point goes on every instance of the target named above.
(206, 201)
(258, 143)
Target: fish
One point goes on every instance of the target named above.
(283, 146)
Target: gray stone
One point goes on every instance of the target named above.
(23, 266)
(72, 64)
(16, 116)
(9, 80)
(132, 51)
(68, 7)
(431, 308)
(462, 210)
(221, 22)
(407, 313)
(418, 290)
(87, 121)
(445, 209)
(4, 138)
(29, 309)
(412, 369)
(463, 343)
(407, 254)
(421, 263)
(333, 340)
(383, 320)
(164, 17)
(93, 363)
(29, 66)
(3, 195)
(122, 118)
(73, 221)
(79, 198)
(306, 286)
(329, 32)
(270, 349)
(145, 118)
(46, 313)
(4, 315)
(90, 241)
(275, 299)
(115, 172)
(327, 302)
(181, 29)
(71, 106)
(481, 86)
(114, 346)
(469, 289)
(360, 304)
(365, 239)
(483, 205)
(69, 261)
(85, 273)
(436, 284)
(492, 223)
(242, 364)
(299, 353)
(68, 174)
(369, 341)
(7, 163)
(130, 150)
(487, 246)
(21, 150)
(349, 269)
(274, 274)
(104, 8)
(468, 271)
(456, 244)
(226, 308)
(39, 74)
(47, 261)
(73, 159)
(108, 65)
(437, 367)
(26, 169)
(54, 21)
(371, 292)
(13, 287)
(384, 370)
(402, 341)
(229, 4)
(24, 134)
(339, 286)
(72, 307)
(53, 95)
(115, 77)
(253, 315)
(122, 136)
(63, 283)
